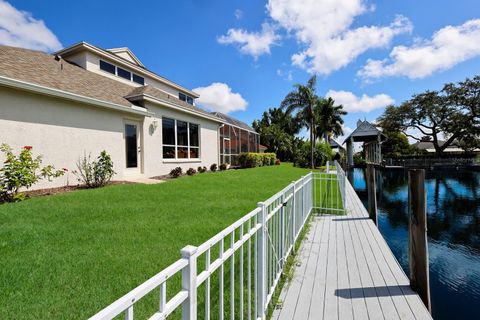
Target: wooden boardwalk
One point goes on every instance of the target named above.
(346, 270)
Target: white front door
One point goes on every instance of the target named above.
(132, 147)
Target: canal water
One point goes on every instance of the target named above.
(453, 209)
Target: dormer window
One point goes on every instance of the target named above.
(122, 73)
(108, 67)
(185, 98)
(138, 79)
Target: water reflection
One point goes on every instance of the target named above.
(453, 220)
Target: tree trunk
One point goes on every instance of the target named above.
(312, 146)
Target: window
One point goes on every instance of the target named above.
(122, 73)
(138, 79)
(168, 134)
(181, 139)
(108, 67)
(185, 98)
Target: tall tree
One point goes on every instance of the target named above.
(277, 130)
(328, 119)
(453, 114)
(276, 116)
(302, 100)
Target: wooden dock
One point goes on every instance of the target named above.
(345, 270)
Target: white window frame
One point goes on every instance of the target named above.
(116, 72)
(188, 146)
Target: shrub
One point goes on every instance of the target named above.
(213, 167)
(191, 172)
(175, 173)
(277, 162)
(223, 167)
(202, 169)
(322, 153)
(22, 171)
(95, 174)
(252, 159)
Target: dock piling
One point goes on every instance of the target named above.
(371, 190)
(417, 236)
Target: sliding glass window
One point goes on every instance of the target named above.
(181, 139)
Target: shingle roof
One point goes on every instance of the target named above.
(43, 69)
(152, 91)
(424, 145)
(233, 121)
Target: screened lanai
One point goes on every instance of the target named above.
(235, 137)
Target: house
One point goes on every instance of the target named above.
(336, 147)
(454, 148)
(84, 99)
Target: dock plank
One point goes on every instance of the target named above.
(347, 271)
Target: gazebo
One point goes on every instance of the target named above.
(372, 139)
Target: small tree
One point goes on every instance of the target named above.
(22, 171)
(95, 174)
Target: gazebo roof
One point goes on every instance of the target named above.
(365, 132)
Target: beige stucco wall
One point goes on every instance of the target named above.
(63, 130)
(60, 130)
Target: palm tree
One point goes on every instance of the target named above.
(328, 118)
(303, 100)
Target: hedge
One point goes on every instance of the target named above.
(253, 159)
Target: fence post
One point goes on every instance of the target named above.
(282, 227)
(189, 283)
(417, 236)
(262, 262)
(304, 194)
(328, 167)
(372, 196)
(301, 199)
(294, 207)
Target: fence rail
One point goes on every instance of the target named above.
(261, 241)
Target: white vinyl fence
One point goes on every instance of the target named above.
(329, 190)
(247, 258)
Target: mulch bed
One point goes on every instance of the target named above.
(52, 191)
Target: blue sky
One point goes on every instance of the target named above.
(254, 51)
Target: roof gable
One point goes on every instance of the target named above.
(127, 54)
(365, 131)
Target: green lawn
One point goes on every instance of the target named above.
(68, 256)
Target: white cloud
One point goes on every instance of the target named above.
(21, 29)
(252, 43)
(238, 14)
(285, 75)
(219, 97)
(448, 46)
(365, 103)
(324, 28)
